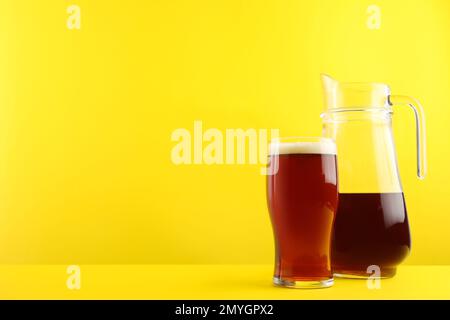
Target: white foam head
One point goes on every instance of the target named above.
(324, 146)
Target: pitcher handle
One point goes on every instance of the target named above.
(420, 130)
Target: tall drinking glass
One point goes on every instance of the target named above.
(302, 195)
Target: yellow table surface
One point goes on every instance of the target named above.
(207, 282)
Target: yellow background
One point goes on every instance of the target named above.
(86, 118)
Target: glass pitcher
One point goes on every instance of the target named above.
(371, 231)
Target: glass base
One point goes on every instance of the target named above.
(386, 273)
(303, 284)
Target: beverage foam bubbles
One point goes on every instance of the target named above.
(324, 146)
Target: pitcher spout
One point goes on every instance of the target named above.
(354, 95)
(329, 86)
(329, 83)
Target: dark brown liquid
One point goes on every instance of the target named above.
(302, 198)
(370, 229)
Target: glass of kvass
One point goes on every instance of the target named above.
(302, 196)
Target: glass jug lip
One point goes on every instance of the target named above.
(342, 115)
(355, 96)
(371, 109)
